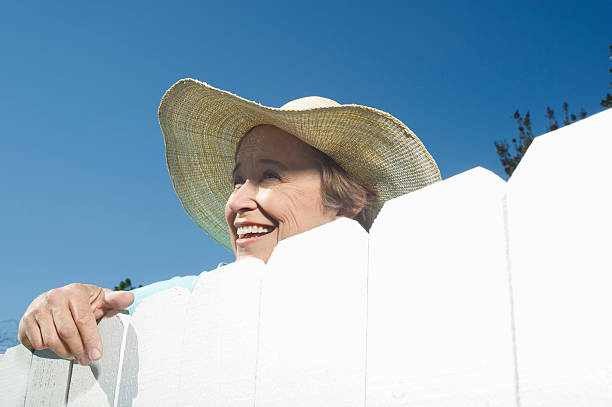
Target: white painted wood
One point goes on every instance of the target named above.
(559, 202)
(439, 314)
(95, 384)
(220, 342)
(48, 380)
(313, 319)
(129, 369)
(152, 350)
(14, 369)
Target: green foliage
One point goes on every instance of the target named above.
(125, 285)
(607, 102)
(568, 118)
(510, 154)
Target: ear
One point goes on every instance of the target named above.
(350, 213)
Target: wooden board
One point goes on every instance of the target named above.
(218, 357)
(439, 315)
(48, 380)
(14, 369)
(313, 319)
(95, 384)
(152, 350)
(559, 202)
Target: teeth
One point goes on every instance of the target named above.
(243, 230)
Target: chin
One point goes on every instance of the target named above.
(259, 247)
(261, 254)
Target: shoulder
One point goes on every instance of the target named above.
(188, 282)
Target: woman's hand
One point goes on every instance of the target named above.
(64, 320)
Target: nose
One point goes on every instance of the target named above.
(243, 199)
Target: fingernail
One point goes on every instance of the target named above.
(95, 354)
(83, 361)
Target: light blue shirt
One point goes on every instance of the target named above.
(188, 282)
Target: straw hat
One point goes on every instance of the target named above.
(202, 126)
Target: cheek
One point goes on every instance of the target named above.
(229, 219)
(277, 204)
(228, 213)
(296, 209)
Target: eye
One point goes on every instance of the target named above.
(238, 181)
(270, 175)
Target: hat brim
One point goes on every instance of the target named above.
(202, 127)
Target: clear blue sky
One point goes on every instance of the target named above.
(86, 196)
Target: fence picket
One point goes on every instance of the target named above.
(14, 369)
(559, 202)
(439, 315)
(152, 350)
(313, 319)
(220, 342)
(95, 384)
(48, 380)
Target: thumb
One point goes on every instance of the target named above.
(118, 300)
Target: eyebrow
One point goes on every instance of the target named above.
(273, 162)
(264, 161)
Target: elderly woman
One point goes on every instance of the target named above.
(250, 176)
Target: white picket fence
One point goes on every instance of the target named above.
(470, 292)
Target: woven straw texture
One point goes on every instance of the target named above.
(202, 126)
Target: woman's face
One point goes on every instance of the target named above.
(277, 192)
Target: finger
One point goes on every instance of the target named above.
(26, 342)
(95, 296)
(113, 302)
(118, 300)
(97, 300)
(50, 336)
(69, 334)
(29, 333)
(87, 327)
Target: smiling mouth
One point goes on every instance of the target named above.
(251, 233)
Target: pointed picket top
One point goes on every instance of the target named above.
(559, 201)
